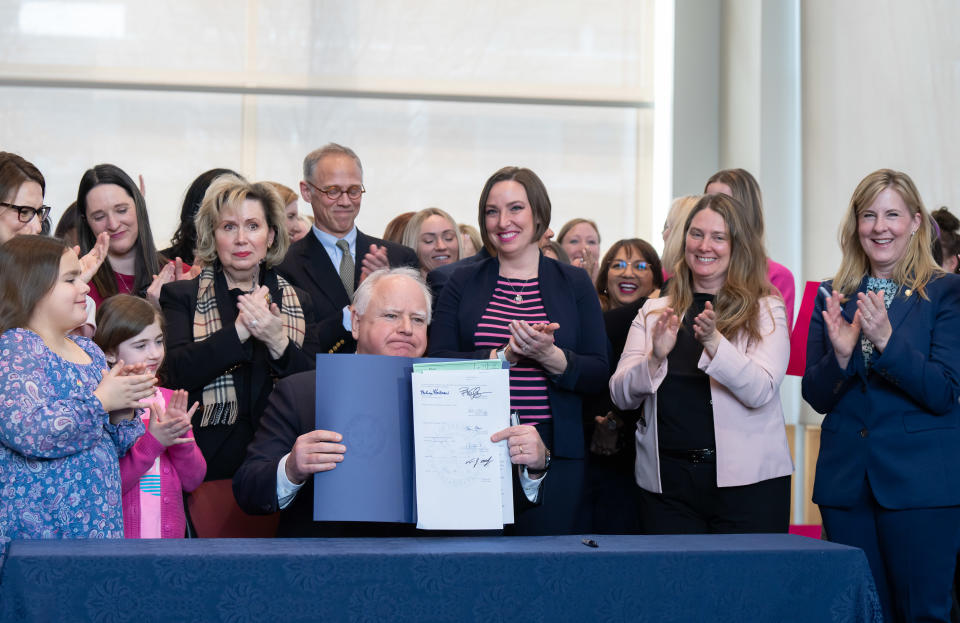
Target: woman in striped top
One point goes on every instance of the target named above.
(543, 318)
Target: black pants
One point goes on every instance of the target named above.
(692, 503)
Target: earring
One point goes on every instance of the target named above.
(912, 233)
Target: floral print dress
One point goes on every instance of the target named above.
(59, 470)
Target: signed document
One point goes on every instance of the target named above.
(463, 480)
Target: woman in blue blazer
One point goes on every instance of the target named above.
(883, 364)
(543, 318)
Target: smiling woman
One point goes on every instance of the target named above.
(705, 363)
(543, 318)
(21, 197)
(433, 234)
(630, 270)
(109, 201)
(882, 365)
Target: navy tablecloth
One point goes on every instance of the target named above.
(627, 578)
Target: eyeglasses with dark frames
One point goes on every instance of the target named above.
(26, 213)
(618, 266)
(334, 192)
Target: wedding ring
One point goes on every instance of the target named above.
(253, 324)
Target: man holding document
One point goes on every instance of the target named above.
(391, 311)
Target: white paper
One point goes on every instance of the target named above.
(464, 481)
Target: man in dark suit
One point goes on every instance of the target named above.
(390, 315)
(331, 261)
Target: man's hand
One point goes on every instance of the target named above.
(526, 447)
(313, 452)
(373, 261)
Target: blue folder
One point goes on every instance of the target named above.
(366, 398)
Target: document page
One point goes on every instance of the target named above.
(463, 480)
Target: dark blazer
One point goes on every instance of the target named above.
(439, 276)
(191, 365)
(899, 424)
(308, 267)
(290, 413)
(570, 300)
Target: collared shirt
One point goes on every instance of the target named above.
(329, 242)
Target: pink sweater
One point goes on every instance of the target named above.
(782, 280)
(182, 468)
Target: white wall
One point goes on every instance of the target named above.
(433, 95)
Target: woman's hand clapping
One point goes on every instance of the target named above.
(261, 318)
(843, 335)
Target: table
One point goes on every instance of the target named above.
(743, 578)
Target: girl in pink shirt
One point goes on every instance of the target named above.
(165, 461)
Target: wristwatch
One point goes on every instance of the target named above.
(546, 464)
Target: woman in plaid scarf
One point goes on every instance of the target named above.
(238, 326)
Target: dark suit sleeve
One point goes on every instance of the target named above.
(255, 482)
(445, 329)
(824, 382)
(588, 368)
(192, 365)
(930, 380)
(399, 255)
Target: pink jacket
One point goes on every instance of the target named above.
(745, 388)
(182, 467)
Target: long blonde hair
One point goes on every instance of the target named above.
(916, 268)
(737, 301)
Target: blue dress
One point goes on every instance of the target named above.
(59, 470)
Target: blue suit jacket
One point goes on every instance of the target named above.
(899, 425)
(569, 300)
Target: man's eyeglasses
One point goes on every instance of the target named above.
(334, 192)
(618, 266)
(26, 213)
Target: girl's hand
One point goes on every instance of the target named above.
(90, 263)
(664, 336)
(873, 319)
(118, 391)
(705, 329)
(171, 424)
(263, 320)
(843, 335)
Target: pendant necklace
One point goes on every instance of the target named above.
(518, 297)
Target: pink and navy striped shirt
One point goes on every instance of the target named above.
(528, 380)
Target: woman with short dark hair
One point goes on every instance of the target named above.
(541, 316)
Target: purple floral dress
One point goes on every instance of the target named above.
(59, 471)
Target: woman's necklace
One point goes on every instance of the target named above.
(518, 296)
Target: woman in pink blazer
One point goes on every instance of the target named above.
(705, 363)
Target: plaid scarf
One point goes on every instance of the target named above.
(219, 396)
